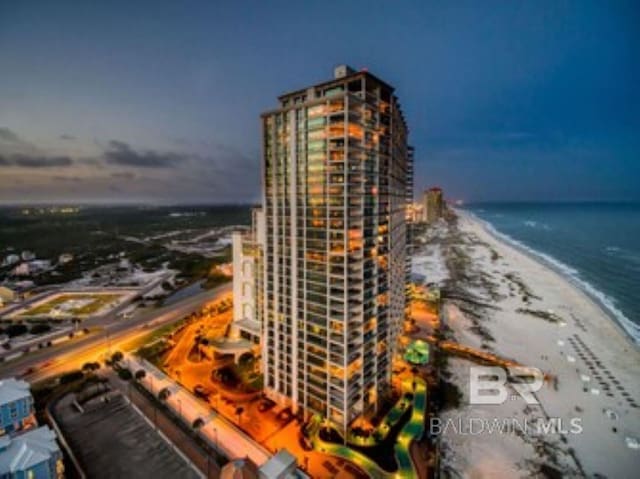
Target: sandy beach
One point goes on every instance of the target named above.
(502, 300)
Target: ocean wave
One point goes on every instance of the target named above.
(535, 224)
(572, 275)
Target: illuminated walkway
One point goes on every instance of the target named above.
(223, 435)
(413, 429)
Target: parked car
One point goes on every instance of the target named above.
(202, 392)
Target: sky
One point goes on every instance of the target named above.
(159, 101)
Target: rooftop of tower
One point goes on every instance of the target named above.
(342, 74)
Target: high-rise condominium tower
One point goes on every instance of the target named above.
(335, 174)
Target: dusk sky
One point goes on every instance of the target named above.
(160, 101)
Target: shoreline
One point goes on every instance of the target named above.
(581, 286)
(510, 302)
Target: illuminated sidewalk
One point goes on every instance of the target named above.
(218, 431)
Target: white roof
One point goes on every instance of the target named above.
(249, 325)
(278, 464)
(27, 450)
(12, 389)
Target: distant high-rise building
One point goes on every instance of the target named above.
(433, 204)
(336, 176)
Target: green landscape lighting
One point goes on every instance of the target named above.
(417, 352)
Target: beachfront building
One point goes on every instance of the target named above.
(433, 204)
(336, 168)
(16, 406)
(33, 454)
(247, 279)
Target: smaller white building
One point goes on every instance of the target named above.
(28, 255)
(23, 269)
(247, 277)
(281, 466)
(65, 258)
(10, 259)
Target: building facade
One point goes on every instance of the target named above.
(335, 185)
(33, 454)
(16, 406)
(247, 247)
(433, 205)
(26, 450)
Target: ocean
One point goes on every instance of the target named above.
(595, 245)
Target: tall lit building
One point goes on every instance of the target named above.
(336, 169)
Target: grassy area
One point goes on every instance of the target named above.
(97, 235)
(98, 301)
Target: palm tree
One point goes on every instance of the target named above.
(140, 374)
(239, 411)
(88, 367)
(198, 423)
(164, 394)
(117, 357)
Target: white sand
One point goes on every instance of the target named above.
(557, 349)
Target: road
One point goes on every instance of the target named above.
(74, 353)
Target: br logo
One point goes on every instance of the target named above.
(487, 385)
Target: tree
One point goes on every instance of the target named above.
(117, 357)
(239, 411)
(198, 423)
(164, 394)
(140, 374)
(89, 367)
(40, 328)
(15, 330)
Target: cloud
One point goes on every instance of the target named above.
(35, 161)
(73, 179)
(123, 175)
(67, 137)
(9, 136)
(120, 153)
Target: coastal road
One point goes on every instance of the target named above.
(49, 361)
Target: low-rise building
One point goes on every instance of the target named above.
(65, 258)
(281, 466)
(28, 255)
(239, 469)
(23, 269)
(34, 454)
(16, 406)
(10, 259)
(247, 278)
(6, 295)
